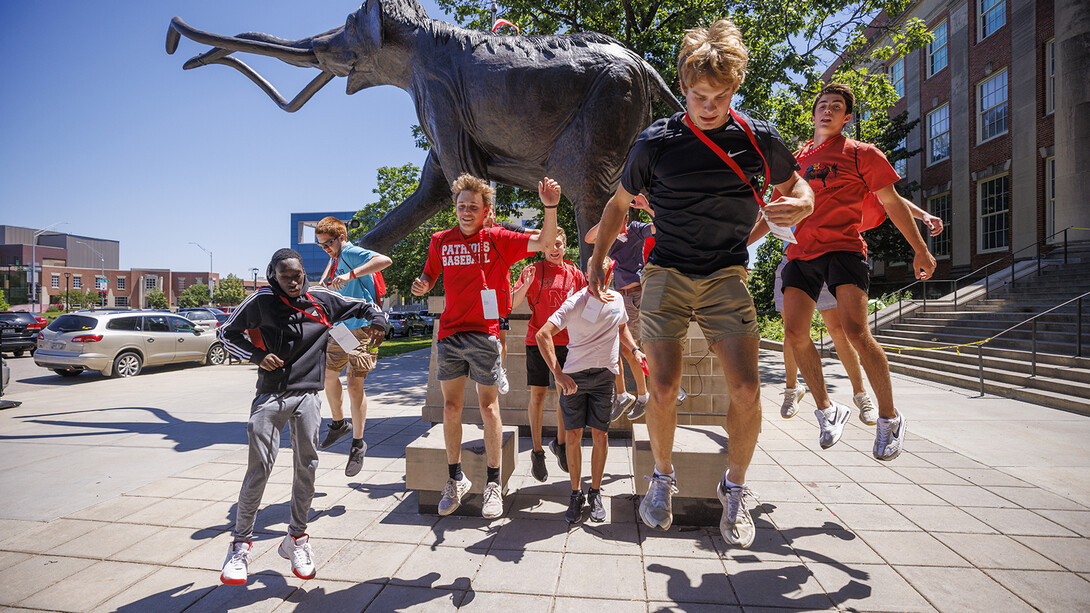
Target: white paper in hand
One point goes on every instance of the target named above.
(344, 337)
(780, 232)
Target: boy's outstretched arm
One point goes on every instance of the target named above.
(549, 192)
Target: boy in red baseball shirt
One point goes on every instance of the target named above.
(474, 261)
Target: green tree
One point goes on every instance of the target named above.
(762, 278)
(3, 302)
(74, 298)
(92, 298)
(194, 296)
(230, 291)
(156, 299)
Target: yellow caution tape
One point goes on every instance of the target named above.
(899, 350)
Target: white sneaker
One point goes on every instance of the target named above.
(492, 507)
(735, 525)
(656, 508)
(792, 396)
(504, 384)
(235, 567)
(890, 438)
(452, 495)
(868, 413)
(298, 551)
(832, 422)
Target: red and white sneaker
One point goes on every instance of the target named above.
(298, 551)
(235, 567)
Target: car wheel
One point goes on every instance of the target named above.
(217, 354)
(18, 353)
(127, 365)
(68, 372)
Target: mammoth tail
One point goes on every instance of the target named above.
(663, 93)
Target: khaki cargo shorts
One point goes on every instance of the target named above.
(720, 303)
(360, 360)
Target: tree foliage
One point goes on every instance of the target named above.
(230, 291)
(3, 302)
(194, 296)
(762, 277)
(156, 299)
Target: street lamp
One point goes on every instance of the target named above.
(67, 289)
(102, 261)
(209, 270)
(254, 270)
(34, 262)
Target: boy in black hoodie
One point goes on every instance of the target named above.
(288, 325)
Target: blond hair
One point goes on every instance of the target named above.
(714, 54)
(468, 183)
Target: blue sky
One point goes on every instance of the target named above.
(103, 130)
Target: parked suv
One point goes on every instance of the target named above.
(20, 333)
(205, 317)
(405, 324)
(121, 343)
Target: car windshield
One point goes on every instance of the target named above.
(73, 323)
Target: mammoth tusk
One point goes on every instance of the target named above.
(296, 103)
(288, 54)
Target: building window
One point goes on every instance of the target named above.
(939, 206)
(994, 198)
(181, 284)
(938, 134)
(992, 101)
(151, 282)
(56, 281)
(77, 282)
(897, 77)
(121, 301)
(1050, 196)
(1050, 76)
(993, 15)
(121, 283)
(901, 165)
(936, 50)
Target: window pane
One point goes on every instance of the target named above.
(939, 206)
(994, 212)
(993, 106)
(937, 49)
(993, 15)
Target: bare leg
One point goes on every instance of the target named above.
(333, 394)
(452, 417)
(738, 357)
(493, 428)
(852, 306)
(597, 457)
(618, 381)
(637, 373)
(798, 310)
(503, 346)
(357, 403)
(844, 350)
(536, 413)
(574, 450)
(790, 368)
(664, 363)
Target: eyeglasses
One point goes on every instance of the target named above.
(327, 244)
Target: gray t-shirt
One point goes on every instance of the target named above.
(593, 340)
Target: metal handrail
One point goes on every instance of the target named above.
(985, 268)
(1033, 359)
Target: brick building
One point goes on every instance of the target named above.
(1003, 144)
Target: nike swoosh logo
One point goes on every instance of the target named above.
(747, 321)
(734, 153)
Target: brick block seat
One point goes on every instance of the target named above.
(700, 457)
(426, 467)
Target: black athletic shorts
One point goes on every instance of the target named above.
(537, 372)
(592, 403)
(834, 268)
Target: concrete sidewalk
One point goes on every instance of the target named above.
(119, 494)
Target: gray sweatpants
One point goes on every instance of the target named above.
(269, 413)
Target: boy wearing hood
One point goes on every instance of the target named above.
(288, 324)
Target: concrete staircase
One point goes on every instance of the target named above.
(919, 341)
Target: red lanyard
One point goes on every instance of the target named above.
(726, 158)
(317, 307)
(333, 268)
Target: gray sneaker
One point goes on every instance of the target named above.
(561, 452)
(638, 410)
(355, 460)
(575, 507)
(681, 395)
(623, 402)
(868, 413)
(736, 525)
(597, 508)
(890, 438)
(792, 396)
(832, 422)
(493, 501)
(452, 495)
(334, 434)
(656, 508)
(537, 465)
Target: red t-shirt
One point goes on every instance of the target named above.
(468, 265)
(843, 173)
(550, 288)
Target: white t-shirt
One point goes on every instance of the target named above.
(593, 339)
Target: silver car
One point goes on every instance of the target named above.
(121, 343)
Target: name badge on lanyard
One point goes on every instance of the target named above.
(490, 304)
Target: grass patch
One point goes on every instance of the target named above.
(392, 347)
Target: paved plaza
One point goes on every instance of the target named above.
(118, 495)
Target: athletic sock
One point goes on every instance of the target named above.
(595, 491)
(672, 475)
(644, 397)
(336, 423)
(493, 474)
(357, 443)
(727, 483)
(455, 471)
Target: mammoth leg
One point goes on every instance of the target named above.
(430, 197)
